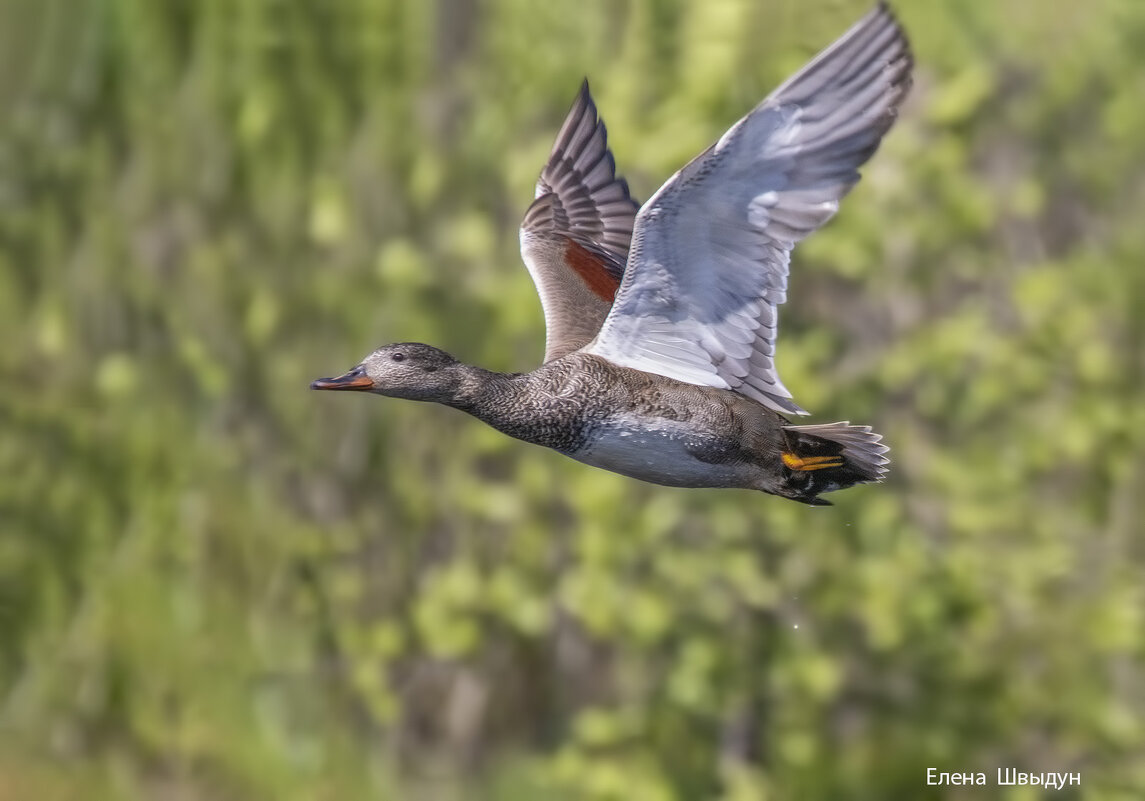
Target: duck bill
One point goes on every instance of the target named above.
(356, 380)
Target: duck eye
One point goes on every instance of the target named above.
(399, 357)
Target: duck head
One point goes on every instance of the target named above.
(403, 370)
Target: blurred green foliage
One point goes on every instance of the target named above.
(217, 585)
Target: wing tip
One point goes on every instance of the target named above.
(903, 60)
(880, 21)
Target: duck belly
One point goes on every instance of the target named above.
(668, 452)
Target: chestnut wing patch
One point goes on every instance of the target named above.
(600, 273)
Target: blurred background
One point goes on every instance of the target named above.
(216, 584)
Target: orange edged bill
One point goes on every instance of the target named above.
(356, 379)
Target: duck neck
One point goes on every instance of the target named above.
(512, 403)
(485, 394)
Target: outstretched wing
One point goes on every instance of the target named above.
(575, 236)
(708, 266)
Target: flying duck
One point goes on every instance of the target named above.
(661, 318)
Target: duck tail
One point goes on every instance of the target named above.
(830, 456)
